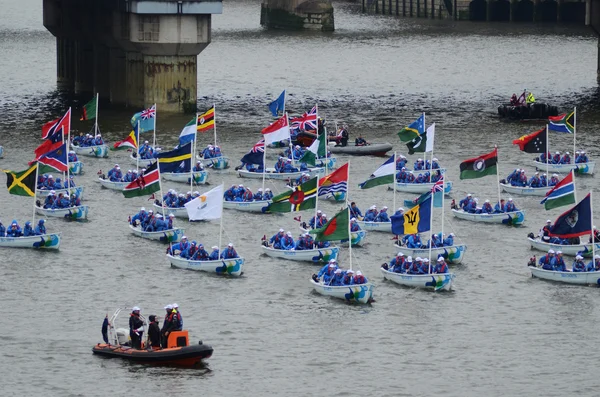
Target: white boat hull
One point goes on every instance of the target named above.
(571, 250)
(453, 254)
(166, 236)
(385, 227)
(507, 218)
(231, 267)
(419, 188)
(582, 278)
(358, 238)
(580, 168)
(45, 193)
(179, 212)
(361, 293)
(74, 213)
(216, 163)
(91, 151)
(335, 196)
(435, 282)
(143, 163)
(120, 186)
(45, 241)
(76, 167)
(247, 206)
(319, 255)
(200, 177)
(280, 176)
(525, 191)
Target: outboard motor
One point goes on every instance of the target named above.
(122, 336)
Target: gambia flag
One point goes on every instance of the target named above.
(89, 110)
(302, 198)
(337, 228)
(382, 175)
(314, 151)
(480, 166)
(563, 193)
(145, 184)
(21, 183)
(562, 123)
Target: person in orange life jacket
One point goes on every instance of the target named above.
(177, 314)
(189, 253)
(486, 208)
(510, 206)
(556, 158)
(201, 254)
(171, 324)
(396, 263)
(247, 195)
(472, 206)
(314, 221)
(75, 201)
(180, 246)
(547, 260)
(545, 231)
(275, 241)
(165, 326)
(359, 278)
(154, 332)
(354, 227)
(416, 266)
(287, 242)
(559, 263)
(169, 221)
(565, 159)
(441, 266)
(424, 269)
(348, 278)
(136, 328)
(578, 264)
(464, 202)
(230, 252)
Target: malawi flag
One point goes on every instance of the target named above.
(303, 197)
(563, 193)
(337, 228)
(575, 222)
(89, 110)
(337, 181)
(480, 166)
(206, 120)
(415, 220)
(131, 142)
(382, 175)
(145, 184)
(21, 183)
(56, 159)
(533, 143)
(314, 151)
(562, 123)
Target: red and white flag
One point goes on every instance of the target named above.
(278, 131)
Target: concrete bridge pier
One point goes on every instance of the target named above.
(297, 14)
(65, 63)
(84, 68)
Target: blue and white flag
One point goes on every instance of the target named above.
(575, 222)
(146, 118)
(278, 105)
(188, 133)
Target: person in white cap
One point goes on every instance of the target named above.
(399, 212)
(275, 240)
(214, 255)
(348, 278)
(535, 180)
(268, 194)
(578, 264)
(354, 226)
(396, 263)
(371, 214)
(359, 278)
(139, 217)
(510, 206)
(315, 220)
(559, 262)
(117, 175)
(464, 202)
(486, 208)
(177, 318)
(449, 241)
(556, 158)
(594, 265)
(98, 141)
(229, 252)
(435, 164)
(582, 158)
(50, 199)
(338, 276)
(547, 261)
(136, 328)
(440, 267)
(424, 266)
(471, 207)
(553, 180)
(181, 246)
(415, 266)
(566, 158)
(419, 165)
(326, 272)
(287, 242)
(383, 215)
(545, 231)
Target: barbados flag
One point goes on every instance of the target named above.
(337, 181)
(416, 220)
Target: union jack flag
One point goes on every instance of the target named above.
(259, 147)
(306, 122)
(438, 186)
(149, 113)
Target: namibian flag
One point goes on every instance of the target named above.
(479, 166)
(302, 198)
(415, 220)
(56, 159)
(337, 181)
(561, 194)
(206, 120)
(337, 228)
(562, 123)
(145, 184)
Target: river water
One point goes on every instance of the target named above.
(499, 333)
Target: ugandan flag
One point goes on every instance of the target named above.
(89, 110)
(416, 220)
(480, 166)
(303, 197)
(337, 228)
(206, 120)
(21, 183)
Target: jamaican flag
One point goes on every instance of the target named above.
(301, 198)
(21, 183)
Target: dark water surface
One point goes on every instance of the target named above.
(501, 333)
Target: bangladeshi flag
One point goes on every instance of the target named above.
(303, 197)
(336, 229)
(479, 166)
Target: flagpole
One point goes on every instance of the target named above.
(394, 183)
(264, 164)
(67, 148)
(194, 147)
(547, 160)
(96, 121)
(221, 224)
(215, 126)
(137, 149)
(349, 227)
(592, 229)
(443, 206)
(574, 131)
(161, 191)
(37, 168)
(497, 178)
(154, 135)
(284, 101)
(430, 231)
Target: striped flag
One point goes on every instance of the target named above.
(206, 120)
(56, 159)
(337, 181)
(561, 194)
(145, 184)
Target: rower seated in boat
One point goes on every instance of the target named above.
(402, 175)
(581, 157)
(302, 178)
(396, 263)
(275, 240)
(471, 207)
(268, 195)
(98, 140)
(486, 208)
(40, 229)
(360, 141)
(499, 207)
(198, 166)
(201, 254)
(305, 242)
(355, 211)
(229, 252)
(326, 272)
(354, 226)
(287, 242)
(322, 244)
(288, 167)
(510, 206)
(61, 202)
(75, 201)
(214, 255)
(440, 267)
(558, 263)
(578, 264)
(401, 162)
(371, 214)
(72, 156)
(594, 265)
(139, 217)
(419, 165)
(76, 141)
(115, 174)
(182, 246)
(449, 241)
(341, 138)
(28, 230)
(554, 180)
(315, 222)
(415, 267)
(383, 215)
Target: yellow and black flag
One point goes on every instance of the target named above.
(415, 220)
(303, 197)
(21, 183)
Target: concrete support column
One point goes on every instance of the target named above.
(134, 77)
(598, 63)
(559, 4)
(65, 64)
(488, 10)
(170, 80)
(588, 12)
(117, 61)
(101, 71)
(536, 4)
(84, 67)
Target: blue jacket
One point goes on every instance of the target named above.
(448, 241)
(382, 217)
(287, 243)
(276, 240)
(180, 246)
(546, 262)
(214, 255)
(229, 253)
(414, 241)
(440, 268)
(28, 230)
(337, 279)
(579, 266)
(559, 264)
(40, 228)
(510, 207)
(200, 255)
(370, 216)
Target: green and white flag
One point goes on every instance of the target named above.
(422, 143)
(382, 175)
(316, 150)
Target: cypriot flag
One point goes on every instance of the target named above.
(207, 206)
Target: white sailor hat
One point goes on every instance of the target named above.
(419, 159)
(359, 273)
(555, 175)
(350, 271)
(324, 215)
(487, 201)
(567, 153)
(332, 261)
(260, 189)
(267, 190)
(128, 171)
(353, 220)
(289, 233)
(418, 258)
(403, 168)
(510, 199)
(240, 185)
(52, 192)
(171, 216)
(409, 259)
(189, 192)
(440, 259)
(318, 211)
(338, 271)
(558, 252)
(145, 141)
(452, 234)
(169, 307)
(384, 208)
(401, 209)
(143, 209)
(557, 152)
(230, 245)
(159, 216)
(281, 230)
(150, 211)
(175, 305)
(135, 309)
(400, 254)
(435, 159)
(578, 257)
(550, 251)
(548, 221)
(184, 237)
(596, 256)
(215, 247)
(469, 195)
(426, 260)
(50, 176)
(289, 160)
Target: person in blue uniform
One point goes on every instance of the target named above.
(435, 164)
(229, 252)
(337, 278)
(510, 206)
(547, 261)
(180, 246)
(414, 241)
(354, 226)
(169, 221)
(359, 278)
(98, 140)
(406, 266)
(229, 194)
(486, 208)
(522, 181)
(594, 265)
(556, 158)
(39, 229)
(314, 221)
(268, 195)
(275, 240)
(360, 141)
(322, 244)
(535, 180)
(399, 212)
(583, 158)
(578, 264)
(50, 199)
(472, 206)
(200, 254)
(117, 175)
(280, 164)
(136, 328)
(62, 201)
(287, 242)
(214, 255)
(401, 175)
(559, 262)
(383, 215)
(309, 242)
(420, 179)
(327, 271)
(464, 202)
(288, 167)
(72, 156)
(565, 159)
(396, 263)
(258, 196)
(301, 243)
(139, 217)
(419, 165)
(247, 195)
(371, 214)
(424, 269)
(190, 251)
(160, 224)
(499, 207)
(449, 241)
(440, 267)
(28, 230)
(75, 201)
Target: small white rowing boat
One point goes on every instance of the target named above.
(281, 176)
(436, 282)
(216, 163)
(584, 250)
(385, 227)
(144, 163)
(113, 185)
(580, 168)
(165, 236)
(92, 151)
(507, 218)
(525, 190)
(569, 277)
(200, 177)
(318, 255)
(46, 192)
(46, 241)
(179, 212)
(453, 254)
(231, 267)
(76, 167)
(75, 213)
(358, 293)
(419, 188)
(247, 206)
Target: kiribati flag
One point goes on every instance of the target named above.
(337, 181)
(56, 159)
(562, 194)
(575, 222)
